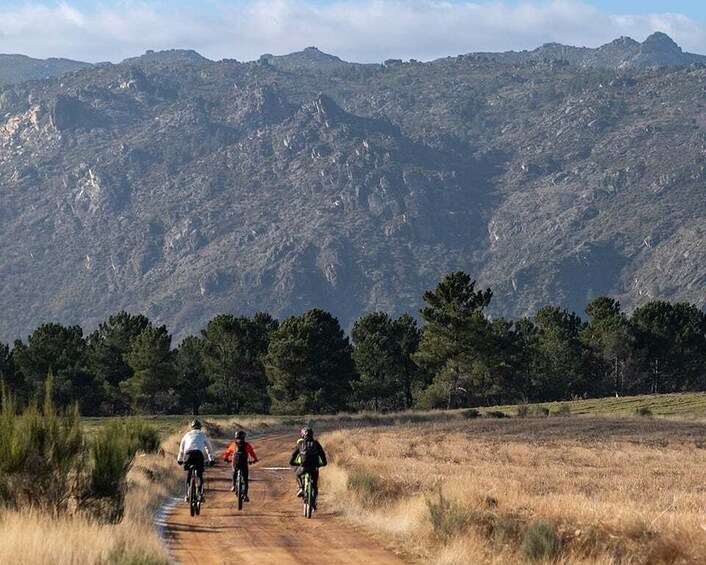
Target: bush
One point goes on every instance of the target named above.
(507, 531)
(372, 489)
(522, 411)
(470, 414)
(541, 541)
(496, 414)
(542, 411)
(643, 411)
(563, 410)
(447, 517)
(46, 461)
(119, 555)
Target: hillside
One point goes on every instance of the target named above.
(186, 188)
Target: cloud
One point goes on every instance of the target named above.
(355, 30)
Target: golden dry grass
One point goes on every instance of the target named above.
(35, 538)
(619, 491)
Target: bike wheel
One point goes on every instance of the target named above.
(239, 490)
(308, 496)
(193, 498)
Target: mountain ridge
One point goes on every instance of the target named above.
(188, 190)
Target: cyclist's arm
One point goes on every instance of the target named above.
(251, 452)
(209, 448)
(180, 455)
(293, 459)
(322, 455)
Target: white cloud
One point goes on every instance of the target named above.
(364, 30)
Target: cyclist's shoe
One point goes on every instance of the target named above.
(313, 505)
(186, 498)
(246, 498)
(300, 493)
(232, 489)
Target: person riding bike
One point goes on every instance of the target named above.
(193, 449)
(307, 457)
(237, 454)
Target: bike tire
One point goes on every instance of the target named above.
(308, 502)
(239, 489)
(193, 498)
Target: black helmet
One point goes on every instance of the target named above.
(240, 434)
(195, 425)
(307, 433)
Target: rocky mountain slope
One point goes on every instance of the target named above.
(187, 189)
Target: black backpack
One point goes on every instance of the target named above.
(309, 453)
(240, 455)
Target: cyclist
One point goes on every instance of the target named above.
(193, 449)
(308, 456)
(237, 454)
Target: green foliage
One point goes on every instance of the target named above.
(106, 349)
(455, 339)
(233, 351)
(309, 365)
(447, 517)
(541, 541)
(192, 380)
(46, 462)
(378, 361)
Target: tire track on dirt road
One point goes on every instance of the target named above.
(270, 530)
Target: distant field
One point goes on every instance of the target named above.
(683, 405)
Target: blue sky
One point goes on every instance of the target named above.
(355, 30)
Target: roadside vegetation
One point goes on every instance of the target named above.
(68, 496)
(589, 490)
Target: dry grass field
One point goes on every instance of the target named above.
(566, 490)
(36, 538)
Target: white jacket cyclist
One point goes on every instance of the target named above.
(195, 440)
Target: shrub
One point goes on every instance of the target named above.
(119, 555)
(46, 461)
(542, 411)
(643, 411)
(447, 517)
(507, 531)
(470, 414)
(541, 540)
(496, 414)
(522, 411)
(372, 489)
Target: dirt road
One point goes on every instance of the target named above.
(271, 528)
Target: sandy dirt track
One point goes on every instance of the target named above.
(271, 528)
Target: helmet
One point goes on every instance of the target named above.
(240, 434)
(307, 433)
(195, 425)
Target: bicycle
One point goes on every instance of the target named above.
(309, 499)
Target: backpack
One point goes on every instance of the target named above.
(309, 453)
(240, 455)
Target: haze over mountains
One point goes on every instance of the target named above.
(183, 188)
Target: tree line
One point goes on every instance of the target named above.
(459, 357)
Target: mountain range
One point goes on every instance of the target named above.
(183, 188)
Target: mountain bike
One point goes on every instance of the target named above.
(309, 499)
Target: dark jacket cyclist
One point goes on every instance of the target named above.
(308, 456)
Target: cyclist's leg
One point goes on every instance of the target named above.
(299, 471)
(314, 484)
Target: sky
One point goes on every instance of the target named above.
(355, 30)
